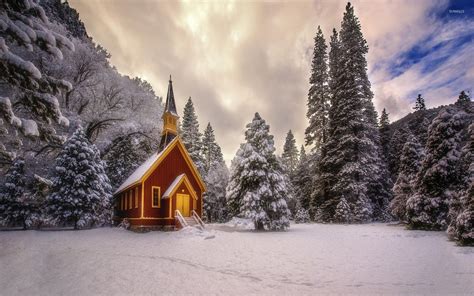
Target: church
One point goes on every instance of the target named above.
(167, 189)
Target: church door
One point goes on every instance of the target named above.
(182, 204)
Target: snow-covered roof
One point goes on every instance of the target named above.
(173, 186)
(140, 171)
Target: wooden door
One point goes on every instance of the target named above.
(182, 204)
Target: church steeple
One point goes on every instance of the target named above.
(170, 118)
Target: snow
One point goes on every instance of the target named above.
(172, 186)
(306, 259)
(29, 128)
(142, 169)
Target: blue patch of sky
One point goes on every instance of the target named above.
(454, 11)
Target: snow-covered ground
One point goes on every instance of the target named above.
(307, 259)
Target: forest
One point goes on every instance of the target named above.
(73, 128)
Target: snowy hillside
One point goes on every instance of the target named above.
(308, 259)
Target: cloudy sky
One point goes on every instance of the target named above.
(238, 57)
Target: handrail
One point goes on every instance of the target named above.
(180, 217)
(198, 219)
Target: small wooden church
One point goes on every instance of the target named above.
(167, 187)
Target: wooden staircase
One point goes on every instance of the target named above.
(190, 221)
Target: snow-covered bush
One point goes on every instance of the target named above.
(81, 192)
(302, 216)
(124, 224)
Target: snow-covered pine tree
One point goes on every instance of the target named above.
(302, 181)
(343, 212)
(216, 180)
(16, 205)
(211, 151)
(464, 101)
(322, 202)
(397, 141)
(24, 25)
(351, 164)
(216, 177)
(384, 129)
(410, 161)
(81, 192)
(122, 159)
(461, 211)
(419, 103)
(302, 216)
(289, 156)
(318, 95)
(439, 174)
(191, 136)
(258, 188)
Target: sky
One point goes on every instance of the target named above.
(235, 58)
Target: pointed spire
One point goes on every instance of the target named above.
(170, 105)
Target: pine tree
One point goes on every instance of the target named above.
(191, 136)
(258, 188)
(216, 180)
(384, 128)
(16, 205)
(301, 181)
(302, 216)
(343, 212)
(318, 95)
(290, 153)
(350, 164)
(461, 208)
(211, 151)
(122, 159)
(24, 28)
(216, 177)
(439, 174)
(410, 161)
(397, 141)
(81, 192)
(464, 101)
(420, 103)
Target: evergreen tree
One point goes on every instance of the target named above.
(290, 154)
(216, 180)
(343, 212)
(122, 159)
(439, 174)
(397, 141)
(216, 177)
(420, 103)
(16, 205)
(410, 161)
(302, 216)
(464, 101)
(302, 180)
(350, 165)
(318, 95)
(461, 210)
(81, 192)
(191, 136)
(258, 188)
(384, 128)
(211, 151)
(25, 28)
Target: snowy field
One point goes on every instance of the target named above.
(308, 259)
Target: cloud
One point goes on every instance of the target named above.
(235, 58)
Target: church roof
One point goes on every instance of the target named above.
(142, 172)
(170, 105)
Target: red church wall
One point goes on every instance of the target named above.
(122, 203)
(172, 166)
